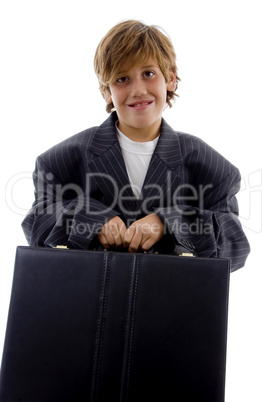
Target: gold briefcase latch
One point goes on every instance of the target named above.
(186, 255)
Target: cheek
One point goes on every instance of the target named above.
(162, 95)
(117, 95)
(160, 90)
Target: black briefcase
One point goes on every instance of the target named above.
(102, 326)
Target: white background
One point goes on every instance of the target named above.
(49, 92)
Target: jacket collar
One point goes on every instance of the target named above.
(160, 177)
(168, 147)
(105, 135)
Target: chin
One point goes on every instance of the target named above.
(143, 123)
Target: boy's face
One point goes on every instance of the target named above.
(139, 96)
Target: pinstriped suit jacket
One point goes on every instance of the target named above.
(82, 182)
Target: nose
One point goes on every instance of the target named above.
(138, 87)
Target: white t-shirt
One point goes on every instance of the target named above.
(136, 156)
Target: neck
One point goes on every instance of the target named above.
(141, 134)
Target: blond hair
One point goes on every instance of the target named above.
(130, 42)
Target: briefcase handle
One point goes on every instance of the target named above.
(150, 251)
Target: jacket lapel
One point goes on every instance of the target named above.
(109, 168)
(161, 179)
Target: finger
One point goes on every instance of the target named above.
(135, 241)
(103, 240)
(117, 229)
(106, 237)
(154, 234)
(120, 240)
(116, 237)
(147, 243)
(128, 235)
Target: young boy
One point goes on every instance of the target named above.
(134, 183)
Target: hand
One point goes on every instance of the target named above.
(112, 233)
(143, 233)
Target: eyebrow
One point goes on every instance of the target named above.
(148, 67)
(143, 67)
(151, 66)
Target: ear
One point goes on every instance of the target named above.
(108, 97)
(171, 84)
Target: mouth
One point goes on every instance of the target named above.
(141, 105)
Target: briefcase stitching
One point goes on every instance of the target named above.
(100, 326)
(128, 346)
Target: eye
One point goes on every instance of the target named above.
(148, 74)
(122, 80)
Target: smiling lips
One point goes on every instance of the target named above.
(141, 105)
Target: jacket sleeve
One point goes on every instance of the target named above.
(62, 214)
(213, 230)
